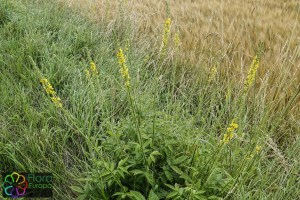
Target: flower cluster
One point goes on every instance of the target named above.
(251, 74)
(50, 91)
(230, 132)
(87, 73)
(167, 30)
(123, 67)
(91, 71)
(213, 73)
(257, 151)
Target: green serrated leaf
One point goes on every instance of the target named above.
(200, 197)
(137, 195)
(152, 196)
(180, 160)
(200, 192)
(147, 143)
(181, 190)
(121, 173)
(186, 177)
(152, 156)
(169, 175)
(118, 194)
(177, 170)
(82, 197)
(155, 153)
(103, 174)
(124, 169)
(170, 186)
(172, 195)
(122, 162)
(77, 189)
(137, 171)
(149, 178)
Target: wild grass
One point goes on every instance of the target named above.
(137, 118)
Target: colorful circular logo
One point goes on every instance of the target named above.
(15, 185)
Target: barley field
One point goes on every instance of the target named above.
(232, 25)
(149, 100)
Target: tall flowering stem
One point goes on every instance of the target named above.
(92, 71)
(212, 75)
(123, 68)
(227, 137)
(230, 132)
(167, 30)
(251, 74)
(51, 92)
(125, 74)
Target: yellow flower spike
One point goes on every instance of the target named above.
(87, 73)
(234, 125)
(93, 69)
(57, 101)
(94, 8)
(225, 139)
(230, 135)
(228, 94)
(167, 30)
(43, 81)
(230, 132)
(146, 59)
(213, 73)
(123, 67)
(121, 57)
(50, 91)
(251, 74)
(47, 86)
(230, 129)
(250, 157)
(258, 149)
